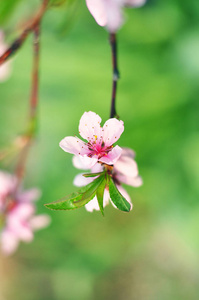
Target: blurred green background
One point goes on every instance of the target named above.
(152, 252)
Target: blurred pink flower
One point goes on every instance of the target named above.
(125, 170)
(18, 214)
(5, 69)
(99, 147)
(109, 12)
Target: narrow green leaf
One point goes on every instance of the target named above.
(90, 192)
(116, 197)
(93, 174)
(100, 195)
(77, 199)
(66, 203)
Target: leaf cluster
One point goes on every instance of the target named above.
(88, 192)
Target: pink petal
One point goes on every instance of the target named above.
(85, 161)
(22, 211)
(128, 152)
(113, 129)
(97, 168)
(7, 183)
(112, 156)
(80, 180)
(78, 163)
(114, 15)
(74, 145)
(93, 204)
(97, 9)
(89, 127)
(24, 233)
(20, 228)
(30, 195)
(9, 242)
(126, 166)
(133, 181)
(134, 3)
(39, 222)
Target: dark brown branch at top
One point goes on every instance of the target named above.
(113, 43)
(30, 27)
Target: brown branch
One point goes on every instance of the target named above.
(30, 27)
(113, 43)
(20, 169)
(35, 74)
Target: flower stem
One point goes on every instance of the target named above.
(30, 27)
(113, 43)
(35, 73)
(20, 168)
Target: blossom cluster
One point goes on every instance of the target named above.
(99, 154)
(17, 214)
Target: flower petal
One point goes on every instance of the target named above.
(88, 161)
(128, 152)
(74, 145)
(93, 204)
(29, 195)
(78, 163)
(9, 242)
(80, 180)
(133, 181)
(89, 127)
(114, 14)
(134, 3)
(22, 211)
(84, 162)
(97, 10)
(112, 156)
(112, 131)
(126, 166)
(39, 222)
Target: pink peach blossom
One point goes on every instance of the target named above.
(125, 170)
(99, 147)
(5, 69)
(18, 213)
(109, 12)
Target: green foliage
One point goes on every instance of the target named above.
(61, 2)
(119, 201)
(100, 194)
(57, 2)
(88, 192)
(7, 7)
(92, 174)
(78, 199)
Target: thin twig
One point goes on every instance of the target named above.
(30, 27)
(113, 43)
(20, 169)
(35, 74)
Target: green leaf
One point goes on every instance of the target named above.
(93, 174)
(100, 195)
(66, 203)
(91, 190)
(7, 8)
(116, 197)
(77, 199)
